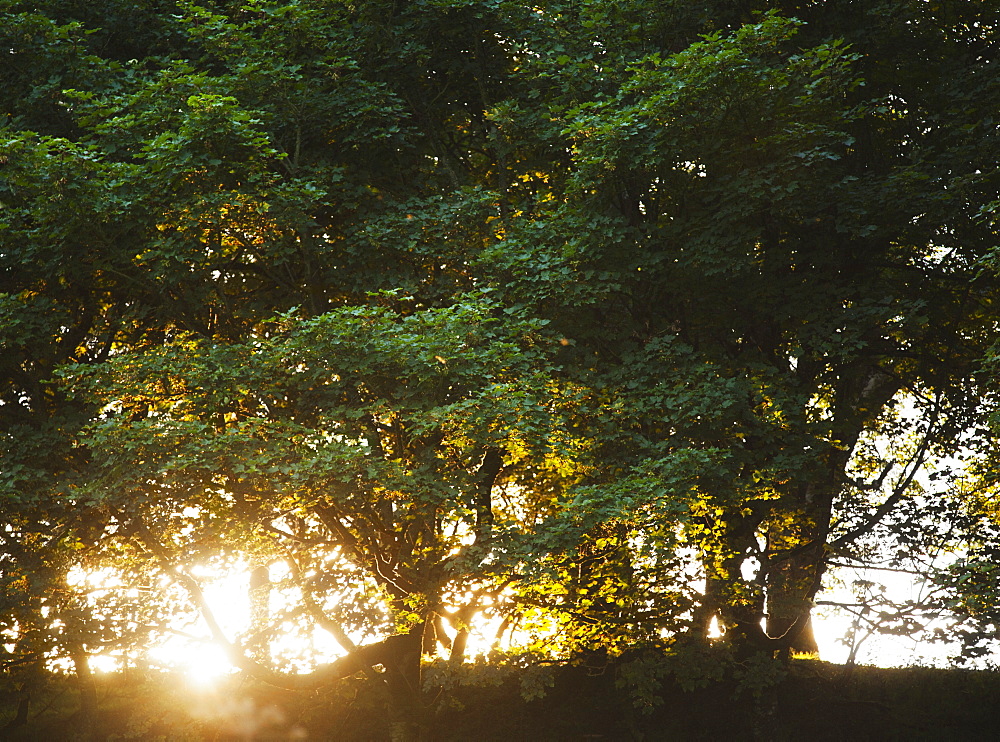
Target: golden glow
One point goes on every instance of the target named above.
(202, 663)
(715, 629)
(190, 650)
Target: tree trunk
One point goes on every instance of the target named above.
(21, 715)
(737, 604)
(260, 614)
(88, 693)
(407, 722)
(798, 530)
(29, 678)
(795, 542)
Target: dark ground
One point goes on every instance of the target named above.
(814, 701)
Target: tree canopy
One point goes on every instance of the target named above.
(620, 323)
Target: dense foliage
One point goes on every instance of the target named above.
(614, 322)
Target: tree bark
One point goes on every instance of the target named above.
(407, 721)
(88, 693)
(794, 576)
(23, 706)
(260, 594)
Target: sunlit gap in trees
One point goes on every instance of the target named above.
(881, 604)
(856, 616)
(833, 625)
(283, 637)
(185, 646)
(851, 622)
(868, 597)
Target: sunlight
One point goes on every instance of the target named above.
(192, 651)
(714, 629)
(92, 579)
(189, 650)
(201, 663)
(837, 630)
(481, 640)
(104, 663)
(227, 594)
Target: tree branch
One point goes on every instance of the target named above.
(898, 492)
(489, 469)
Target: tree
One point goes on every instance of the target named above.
(243, 190)
(63, 300)
(777, 245)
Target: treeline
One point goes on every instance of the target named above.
(616, 323)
